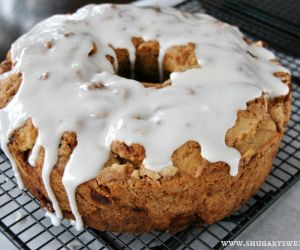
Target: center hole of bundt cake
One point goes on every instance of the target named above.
(146, 66)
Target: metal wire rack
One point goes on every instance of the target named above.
(22, 220)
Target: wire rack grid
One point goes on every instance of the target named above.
(23, 222)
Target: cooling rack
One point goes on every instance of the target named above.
(22, 220)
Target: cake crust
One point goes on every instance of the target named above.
(127, 197)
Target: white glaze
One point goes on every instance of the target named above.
(201, 104)
(54, 219)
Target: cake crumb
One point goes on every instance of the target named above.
(44, 76)
(169, 171)
(48, 44)
(93, 50)
(135, 174)
(151, 174)
(68, 34)
(95, 85)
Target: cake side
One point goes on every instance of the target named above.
(126, 198)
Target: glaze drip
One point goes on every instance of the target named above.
(200, 105)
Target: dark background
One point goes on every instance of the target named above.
(276, 22)
(18, 16)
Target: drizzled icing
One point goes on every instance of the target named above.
(200, 105)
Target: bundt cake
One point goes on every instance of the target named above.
(133, 119)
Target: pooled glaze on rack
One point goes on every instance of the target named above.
(200, 105)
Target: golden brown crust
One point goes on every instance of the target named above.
(134, 153)
(127, 197)
(5, 66)
(180, 58)
(9, 87)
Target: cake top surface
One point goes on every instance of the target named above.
(201, 104)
